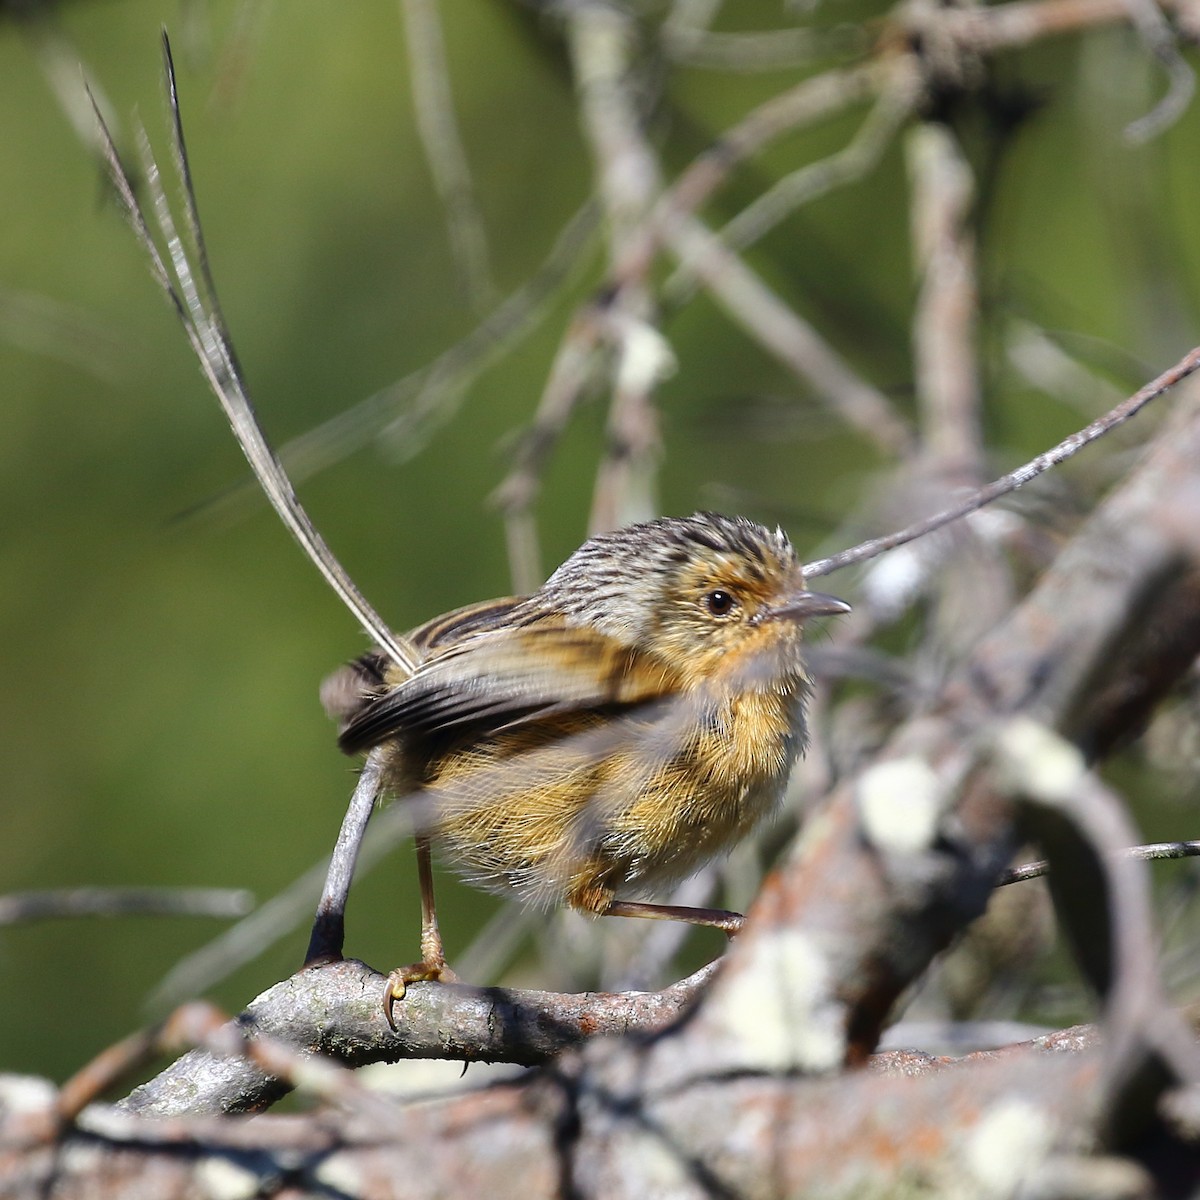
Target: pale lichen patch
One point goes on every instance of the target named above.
(224, 1179)
(900, 804)
(1038, 762)
(778, 1008)
(1008, 1146)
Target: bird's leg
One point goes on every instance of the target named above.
(433, 957)
(431, 937)
(729, 923)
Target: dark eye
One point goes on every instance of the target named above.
(719, 603)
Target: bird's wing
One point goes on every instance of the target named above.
(351, 689)
(453, 627)
(500, 678)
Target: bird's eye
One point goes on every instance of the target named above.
(719, 603)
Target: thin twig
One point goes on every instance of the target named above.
(813, 100)
(334, 1010)
(1065, 449)
(438, 130)
(761, 50)
(19, 907)
(205, 329)
(1152, 852)
(329, 926)
(516, 494)
(859, 156)
(216, 960)
(1159, 39)
(434, 392)
(602, 41)
(947, 379)
(764, 316)
(200, 1024)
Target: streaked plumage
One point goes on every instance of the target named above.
(609, 734)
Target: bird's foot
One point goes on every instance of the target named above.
(401, 977)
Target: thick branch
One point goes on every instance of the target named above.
(335, 1010)
(997, 1124)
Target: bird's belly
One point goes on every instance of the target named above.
(581, 819)
(708, 800)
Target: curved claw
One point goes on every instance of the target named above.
(399, 979)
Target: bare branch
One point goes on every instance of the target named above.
(602, 39)
(210, 340)
(334, 1010)
(430, 76)
(861, 155)
(781, 331)
(1159, 39)
(1153, 852)
(947, 380)
(19, 907)
(1103, 898)
(1014, 479)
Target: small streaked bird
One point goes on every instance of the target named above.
(605, 737)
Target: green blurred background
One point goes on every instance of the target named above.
(158, 674)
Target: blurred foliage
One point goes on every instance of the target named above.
(159, 673)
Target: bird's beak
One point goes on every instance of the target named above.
(802, 605)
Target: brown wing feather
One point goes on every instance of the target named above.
(350, 691)
(500, 678)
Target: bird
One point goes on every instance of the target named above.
(604, 737)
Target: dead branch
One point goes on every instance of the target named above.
(19, 907)
(592, 1127)
(334, 1010)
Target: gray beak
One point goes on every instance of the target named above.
(803, 605)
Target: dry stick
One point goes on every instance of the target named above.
(204, 968)
(1151, 852)
(762, 50)
(602, 40)
(862, 153)
(433, 392)
(333, 1010)
(329, 926)
(807, 103)
(52, 329)
(743, 294)
(967, 577)
(947, 378)
(813, 100)
(1065, 449)
(200, 1024)
(1106, 912)
(430, 78)
(516, 494)
(1160, 40)
(18, 907)
(686, 19)
(60, 61)
(206, 331)
(216, 960)
(912, 1117)
(1010, 26)
(781, 331)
